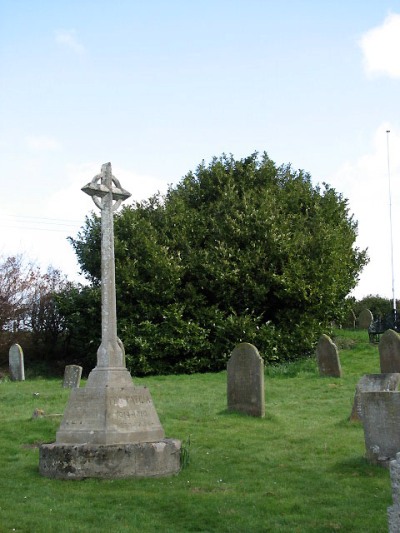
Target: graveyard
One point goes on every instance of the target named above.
(255, 447)
(214, 348)
(301, 467)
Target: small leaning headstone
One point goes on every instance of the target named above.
(389, 351)
(365, 319)
(372, 383)
(245, 373)
(72, 376)
(394, 510)
(16, 363)
(328, 358)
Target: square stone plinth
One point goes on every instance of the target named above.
(80, 461)
(110, 410)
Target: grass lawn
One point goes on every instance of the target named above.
(300, 469)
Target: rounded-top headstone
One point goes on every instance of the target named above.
(245, 388)
(389, 351)
(365, 319)
(16, 363)
(328, 358)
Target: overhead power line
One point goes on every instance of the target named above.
(34, 223)
(45, 220)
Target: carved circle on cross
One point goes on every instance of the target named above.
(97, 199)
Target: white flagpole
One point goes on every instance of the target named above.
(391, 225)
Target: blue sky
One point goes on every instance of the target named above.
(155, 87)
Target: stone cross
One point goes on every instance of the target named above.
(110, 427)
(110, 353)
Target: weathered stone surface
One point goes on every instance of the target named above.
(113, 413)
(394, 510)
(245, 374)
(393, 518)
(389, 351)
(16, 363)
(381, 421)
(328, 358)
(110, 427)
(365, 318)
(373, 383)
(79, 461)
(72, 376)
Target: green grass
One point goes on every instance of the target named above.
(300, 469)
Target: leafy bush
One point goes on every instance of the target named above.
(237, 251)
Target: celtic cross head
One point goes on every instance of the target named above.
(104, 184)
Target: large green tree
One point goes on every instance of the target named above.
(237, 251)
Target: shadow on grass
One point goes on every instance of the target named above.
(348, 424)
(236, 414)
(32, 470)
(358, 466)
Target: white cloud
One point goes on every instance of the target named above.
(365, 183)
(381, 46)
(42, 143)
(69, 39)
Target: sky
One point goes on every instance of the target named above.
(157, 87)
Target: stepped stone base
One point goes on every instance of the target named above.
(110, 410)
(79, 461)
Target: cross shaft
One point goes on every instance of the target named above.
(110, 353)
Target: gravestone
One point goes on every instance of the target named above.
(389, 351)
(373, 383)
(328, 358)
(381, 421)
(245, 374)
(72, 376)
(350, 320)
(365, 319)
(110, 427)
(16, 363)
(394, 510)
